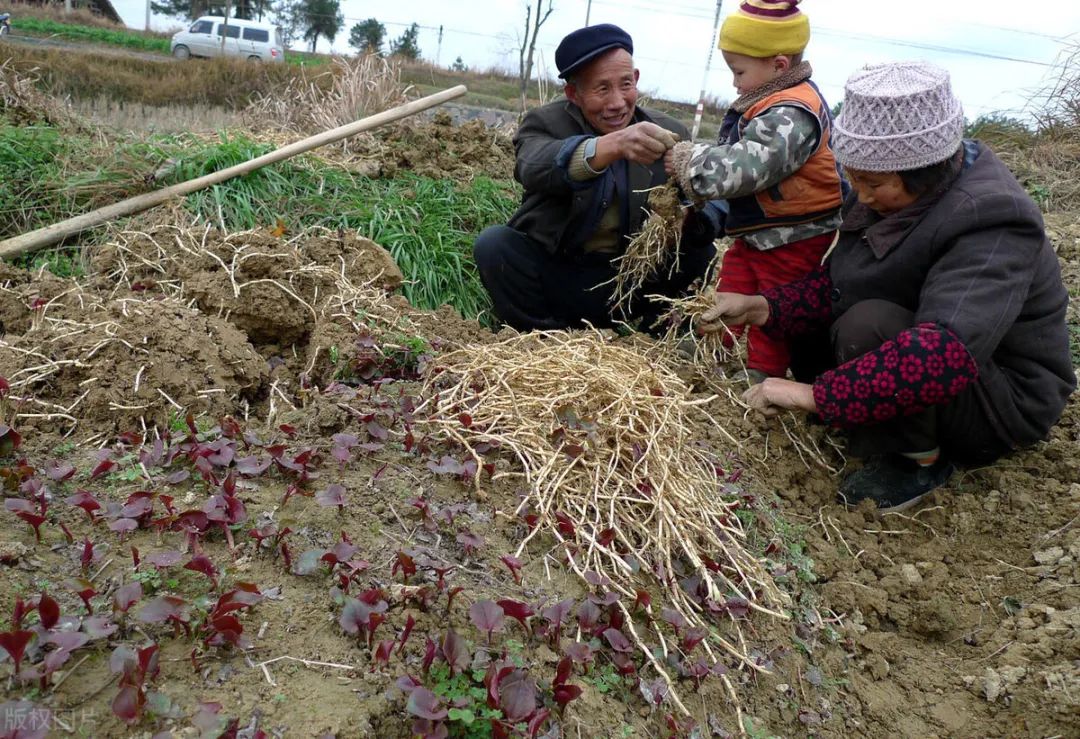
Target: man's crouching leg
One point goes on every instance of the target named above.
(511, 266)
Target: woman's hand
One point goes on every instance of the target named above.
(733, 309)
(774, 395)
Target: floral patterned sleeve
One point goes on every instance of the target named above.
(923, 366)
(799, 307)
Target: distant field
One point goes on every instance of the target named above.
(231, 83)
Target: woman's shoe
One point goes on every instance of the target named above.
(893, 482)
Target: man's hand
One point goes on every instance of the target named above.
(643, 143)
(774, 395)
(733, 309)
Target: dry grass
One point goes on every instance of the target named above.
(164, 119)
(603, 436)
(1049, 167)
(23, 102)
(1059, 102)
(352, 89)
(223, 82)
(1049, 163)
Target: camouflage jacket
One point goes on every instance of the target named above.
(773, 146)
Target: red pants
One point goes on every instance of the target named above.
(748, 271)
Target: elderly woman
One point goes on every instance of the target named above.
(940, 309)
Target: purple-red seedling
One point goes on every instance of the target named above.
(410, 622)
(85, 500)
(14, 643)
(579, 652)
(514, 565)
(675, 619)
(85, 590)
(520, 612)
(441, 573)
(126, 596)
(642, 601)
(136, 667)
(86, 557)
(565, 525)
(450, 595)
(618, 641)
(333, 495)
(555, 615)
(104, 464)
(18, 613)
(692, 637)
(403, 563)
(169, 609)
(470, 542)
(430, 650)
(10, 439)
(26, 511)
(487, 616)
(202, 564)
(562, 691)
(455, 651)
(48, 610)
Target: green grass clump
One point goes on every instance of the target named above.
(51, 174)
(28, 159)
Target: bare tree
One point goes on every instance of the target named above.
(533, 21)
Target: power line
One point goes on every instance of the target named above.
(827, 31)
(687, 13)
(704, 13)
(823, 30)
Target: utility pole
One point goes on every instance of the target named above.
(705, 78)
(438, 49)
(588, 11)
(147, 16)
(225, 25)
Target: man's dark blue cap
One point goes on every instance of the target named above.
(585, 44)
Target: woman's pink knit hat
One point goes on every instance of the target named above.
(897, 116)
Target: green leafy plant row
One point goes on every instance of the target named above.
(428, 225)
(89, 34)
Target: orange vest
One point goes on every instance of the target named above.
(812, 192)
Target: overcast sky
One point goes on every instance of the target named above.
(672, 39)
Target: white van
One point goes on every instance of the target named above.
(249, 39)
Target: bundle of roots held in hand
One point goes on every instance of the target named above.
(654, 248)
(612, 474)
(706, 350)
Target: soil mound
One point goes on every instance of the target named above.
(271, 289)
(438, 149)
(124, 363)
(20, 291)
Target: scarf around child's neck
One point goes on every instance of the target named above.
(791, 77)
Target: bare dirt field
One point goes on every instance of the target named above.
(225, 445)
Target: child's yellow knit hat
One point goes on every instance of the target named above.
(764, 28)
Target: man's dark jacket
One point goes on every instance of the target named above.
(561, 214)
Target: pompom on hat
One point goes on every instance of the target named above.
(585, 44)
(764, 28)
(896, 117)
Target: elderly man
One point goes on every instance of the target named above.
(586, 163)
